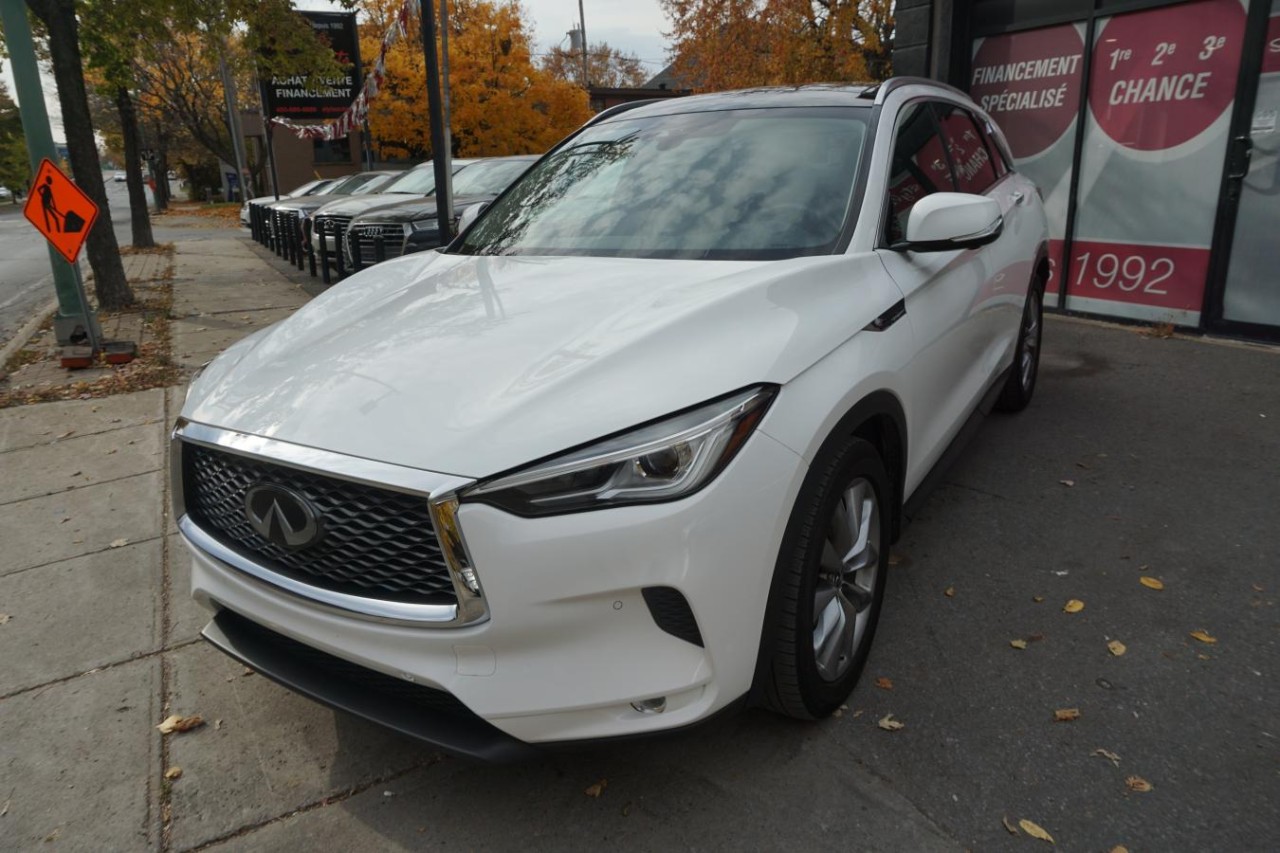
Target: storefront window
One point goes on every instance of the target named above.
(1029, 83)
(1161, 89)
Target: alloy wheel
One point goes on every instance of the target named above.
(1030, 340)
(848, 573)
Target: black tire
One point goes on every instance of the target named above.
(788, 679)
(1021, 384)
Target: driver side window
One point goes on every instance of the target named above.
(919, 166)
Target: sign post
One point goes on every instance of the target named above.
(62, 212)
(73, 312)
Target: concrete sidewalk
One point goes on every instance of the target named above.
(100, 642)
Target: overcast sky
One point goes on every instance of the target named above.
(634, 26)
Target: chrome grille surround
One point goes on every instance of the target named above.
(331, 222)
(384, 511)
(392, 235)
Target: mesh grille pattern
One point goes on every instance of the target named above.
(377, 543)
(392, 241)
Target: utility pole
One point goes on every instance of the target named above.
(440, 155)
(233, 118)
(582, 31)
(73, 308)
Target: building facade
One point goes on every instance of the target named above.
(1151, 129)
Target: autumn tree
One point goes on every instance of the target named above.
(63, 33)
(606, 66)
(501, 103)
(733, 44)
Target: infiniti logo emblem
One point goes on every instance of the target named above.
(282, 516)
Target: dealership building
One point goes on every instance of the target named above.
(1151, 129)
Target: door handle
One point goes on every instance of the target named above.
(1018, 196)
(1241, 153)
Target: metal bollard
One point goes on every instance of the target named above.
(338, 253)
(379, 249)
(323, 249)
(300, 246)
(277, 245)
(357, 254)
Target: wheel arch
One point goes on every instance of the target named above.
(879, 419)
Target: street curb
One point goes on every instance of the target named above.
(26, 330)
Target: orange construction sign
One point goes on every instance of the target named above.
(60, 210)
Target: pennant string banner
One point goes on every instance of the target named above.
(356, 114)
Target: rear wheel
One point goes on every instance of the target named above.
(829, 583)
(1021, 383)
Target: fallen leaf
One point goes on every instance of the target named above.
(178, 723)
(1067, 483)
(1204, 657)
(1035, 830)
(1137, 783)
(884, 683)
(1082, 465)
(1075, 605)
(1203, 636)
(949, 592)
(1018, 644)
(1010, 828)
(1151, 583)
(889, 724)
(1119, 848)
(217, 725)
(4, 617)
(1034, 638)
(1066, 715)
(118, 543)
(1257, 587)
(1038, 599)
(1107, 754)
(53, 836)
(67, 434)
(895, 558)
(597, 789)
(173, 773)
(1116, 648)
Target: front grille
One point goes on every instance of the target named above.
(377, 543)
(366, 234)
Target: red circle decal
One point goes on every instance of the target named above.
(1162, 76)
(1030, 84)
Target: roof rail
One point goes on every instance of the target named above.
(893, 83)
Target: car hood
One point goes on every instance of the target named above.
(472, 365)
(353, 204)
(416, 209)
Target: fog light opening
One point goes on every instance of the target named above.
(651, 706)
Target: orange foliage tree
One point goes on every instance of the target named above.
(500, 102)
(733, 44)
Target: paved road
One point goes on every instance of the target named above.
(26, 283)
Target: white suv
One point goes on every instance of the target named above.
(632, 450)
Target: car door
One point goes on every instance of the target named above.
(941, 292)
(980, 169)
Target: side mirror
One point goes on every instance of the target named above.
(948, 221)
(469, 216)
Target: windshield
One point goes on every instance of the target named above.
(307, 188)
(489, 177)
(737, 184)
(421, 180)
(354, 184)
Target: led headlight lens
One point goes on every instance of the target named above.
(662, 461)
(425, 225)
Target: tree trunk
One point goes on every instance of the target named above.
(162, 180)
(139, 216)
(59, 18)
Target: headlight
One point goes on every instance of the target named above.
(662, 461)
(425, 225)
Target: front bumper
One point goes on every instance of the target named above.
(570, 642)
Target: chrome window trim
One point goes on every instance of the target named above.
(439, 489)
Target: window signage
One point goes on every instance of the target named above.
(1160, 95)
(1030, 82)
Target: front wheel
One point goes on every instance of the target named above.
(829, 584)
(1021, 383)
